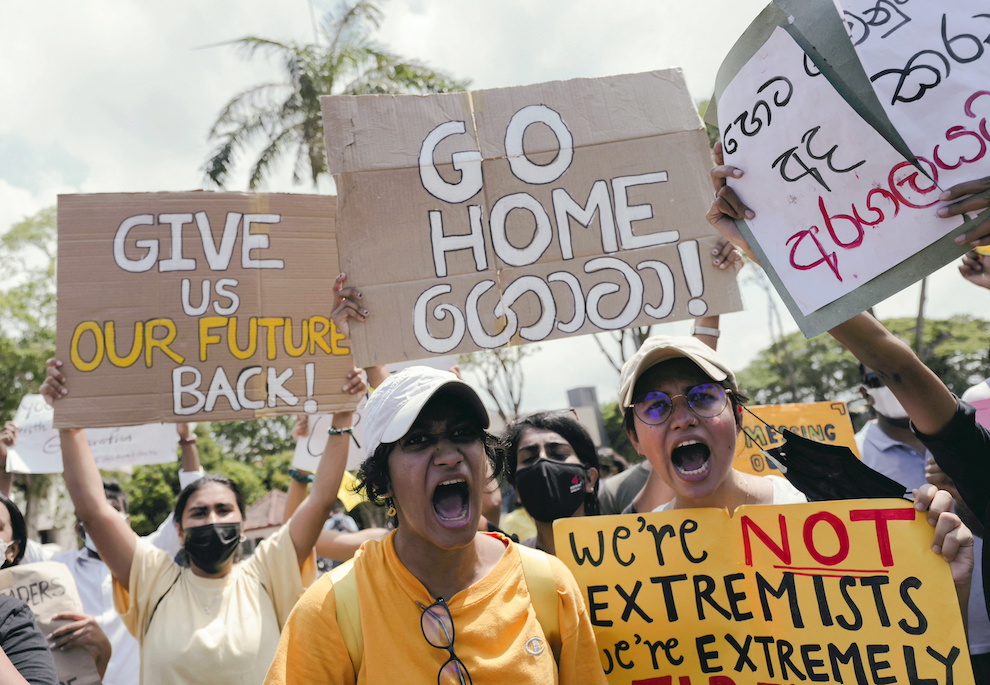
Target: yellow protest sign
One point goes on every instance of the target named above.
(846, 592)
(826, 422)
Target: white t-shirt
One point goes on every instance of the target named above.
(783, 493)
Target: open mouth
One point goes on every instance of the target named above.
(451, 501)
(691, 459)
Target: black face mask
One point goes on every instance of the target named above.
(552, 490)
(830, 472)
(210, 546)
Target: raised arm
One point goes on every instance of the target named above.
(8, 438)
(307, 521)
(114, 539)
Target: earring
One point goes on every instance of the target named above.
(391, 508)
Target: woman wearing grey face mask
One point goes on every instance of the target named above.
(552, 462)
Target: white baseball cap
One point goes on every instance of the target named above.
(393, 407)
(660, 348)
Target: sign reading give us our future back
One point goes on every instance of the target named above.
(841, 592)
(475, 220)
(197, 306)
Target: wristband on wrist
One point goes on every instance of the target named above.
(705, 330)
(191, 440)
(304, 478)
(342, 431)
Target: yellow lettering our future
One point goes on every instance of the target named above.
(275, 333)
(101, 343)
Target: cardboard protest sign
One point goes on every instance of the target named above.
(844, 218)
(39, 450)
(927, 64)
(49, 589)
(836, 205)
(826, 422)
(476, 220)
(184, 306)
(845, 592)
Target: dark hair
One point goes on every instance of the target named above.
(183, 498)
(566, 425)
(373, 476)
(112, 490)
(18, 528)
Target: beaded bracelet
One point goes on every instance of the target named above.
(305, 479)
(340, 431)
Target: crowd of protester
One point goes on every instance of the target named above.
(444, 591)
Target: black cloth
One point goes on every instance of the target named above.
(962, 450)
(24, 644)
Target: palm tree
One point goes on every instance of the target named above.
(285, 116)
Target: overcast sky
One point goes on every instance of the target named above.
(119, 95)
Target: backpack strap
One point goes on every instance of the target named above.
(345, 593)
(543, 594)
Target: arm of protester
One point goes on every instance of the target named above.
(114, 539)
(346, 305)
(377, 375)
(82, 631)
(191, 467)
(953, 540)
(307, 521)
(925, 398)
(971, 197)
(299, 480)
(975, 268)
(8, 438)
(166, 536)
(340, 546)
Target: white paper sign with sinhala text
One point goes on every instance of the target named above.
(836, 206)
(39, 450)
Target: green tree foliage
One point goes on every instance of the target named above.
(27, 306)
(284, 116)
(800, 370)
(617, 438)
(250, 441)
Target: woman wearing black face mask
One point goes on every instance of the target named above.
(552, 462)
(217, 620)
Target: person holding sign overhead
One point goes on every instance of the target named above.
(218, 619)
(437, 600)
(945, 426)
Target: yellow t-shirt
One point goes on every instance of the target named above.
(494, 623)
(215, 630)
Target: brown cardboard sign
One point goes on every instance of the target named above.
(476, 220)
(50, 590)
(197, 306)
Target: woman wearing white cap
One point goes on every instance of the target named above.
(436, 600)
